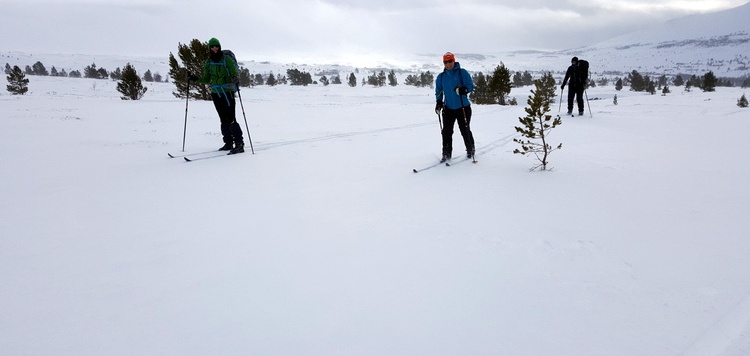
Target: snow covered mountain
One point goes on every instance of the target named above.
(693, 44)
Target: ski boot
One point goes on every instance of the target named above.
(238, 148)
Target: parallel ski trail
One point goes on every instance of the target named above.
(269, 145)
(480, 151)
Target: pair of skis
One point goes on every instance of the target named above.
(198, 156)
(447, 163)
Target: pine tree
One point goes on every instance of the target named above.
(618, 84)
(18, 84)
(246, 79)
(695, 81)
(709, 82)
(637, 82)
(678, 81)
(481, 93)
(116, 74)
(392, 80)
(742, 101)
(499, 83)
(102, 73)
(377, 79)
(39, 69)
(90, 71)
(352, 80)
(427, 79)
(297, 77)
(130, 86)
(662, 80)
(538, 123)
(527, 78)
(412, 79)
(148, 76)
(192, 56)
(271, 81)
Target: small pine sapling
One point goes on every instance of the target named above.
(538, 123)
(742, 101)
(614, 101)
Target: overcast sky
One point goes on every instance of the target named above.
(343, 29)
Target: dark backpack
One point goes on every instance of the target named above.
(582, 71)
(228, 52)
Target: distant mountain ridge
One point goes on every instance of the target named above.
(693, 44)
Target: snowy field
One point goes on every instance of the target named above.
(324, 242)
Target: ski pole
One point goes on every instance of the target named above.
(250, 140)
(562, 91)
(587, 103)
(187, 99)
(440, 119)
(468, 129)
(466, 124)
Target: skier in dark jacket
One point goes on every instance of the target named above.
(454, 85)
(576, 87)
(220, 72)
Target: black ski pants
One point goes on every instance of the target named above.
(231, 131)
(575, 93)
(451, 116)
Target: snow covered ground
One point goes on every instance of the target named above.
(324, 242)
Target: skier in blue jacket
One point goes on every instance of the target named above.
(452, 88)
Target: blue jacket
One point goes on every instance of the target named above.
(445, 87)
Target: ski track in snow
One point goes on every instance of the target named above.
(728, 336)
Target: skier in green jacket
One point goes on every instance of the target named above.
(220, 72)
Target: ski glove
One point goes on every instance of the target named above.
(236, 82)
(439, 106)
(192, 77)
(563, 87)
(461, 90)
